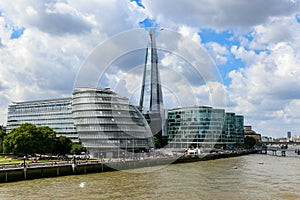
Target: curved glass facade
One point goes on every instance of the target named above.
(108, 125)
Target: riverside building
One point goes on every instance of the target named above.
(108, 125)
(206, 127)
(55, 113)
(105, 123)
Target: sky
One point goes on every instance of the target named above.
(254, 46)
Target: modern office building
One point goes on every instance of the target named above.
(55, 113)
(206, 127)
(108, 125)
(239, 125)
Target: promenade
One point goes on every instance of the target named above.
(11, 173)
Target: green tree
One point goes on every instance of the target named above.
(46, 137)
(20, 141)
(77, 149)
(156, 142)
(2, 135)
(28, 139)
(250, 142)
(63, 145)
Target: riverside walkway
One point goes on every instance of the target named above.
(11, 173)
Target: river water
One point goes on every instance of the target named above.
(246, 177)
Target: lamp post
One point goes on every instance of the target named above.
(24, 167)
(24, 162)
(101, 161)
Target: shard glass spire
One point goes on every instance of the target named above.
(151, 99)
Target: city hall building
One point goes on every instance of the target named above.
(108, 125)
(206, 127)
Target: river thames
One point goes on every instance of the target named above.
(246, 177)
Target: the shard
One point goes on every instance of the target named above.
(151, 99)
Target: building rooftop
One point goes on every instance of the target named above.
(41, 101)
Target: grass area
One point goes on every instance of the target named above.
(9, 159)
(12, 159)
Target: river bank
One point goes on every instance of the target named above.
(36, 172)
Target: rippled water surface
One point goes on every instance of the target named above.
(245, 177)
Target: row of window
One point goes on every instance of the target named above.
(103, 121)
(100, 143)
(106, 135)
(97, 107)
(203, 123)
(198, 110)
(93, 94)
(44, 105)
(186, 116)
(100, 100)
(38, 110)
(42, 121)
(110, 129)
(39, 115)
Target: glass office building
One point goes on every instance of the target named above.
(239, 124)
(206, 127)
(233, 129)
(55, 113)
(108, 125)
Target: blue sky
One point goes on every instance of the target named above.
(16, 31)
(254, 44)
(227, 39)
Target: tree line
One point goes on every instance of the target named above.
(28, 139)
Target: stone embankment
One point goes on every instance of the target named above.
(45, 171)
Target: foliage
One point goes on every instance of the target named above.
(46, 140)
(29, 139)
(239, 144)
(63, 145)
(156, 142)
(2, 135)
(77, 149)
(21, 141)
(250, 142)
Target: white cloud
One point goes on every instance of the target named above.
(189, 32)
(58, 36)
(218, 52)
(268, 88)
(218, 14)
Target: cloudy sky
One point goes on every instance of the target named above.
(255, 46)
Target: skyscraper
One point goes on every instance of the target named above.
(151, 99)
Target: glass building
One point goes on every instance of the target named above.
(108, 125)
(234, 129)
(55, 113)
(206, 127)
(239, 124)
